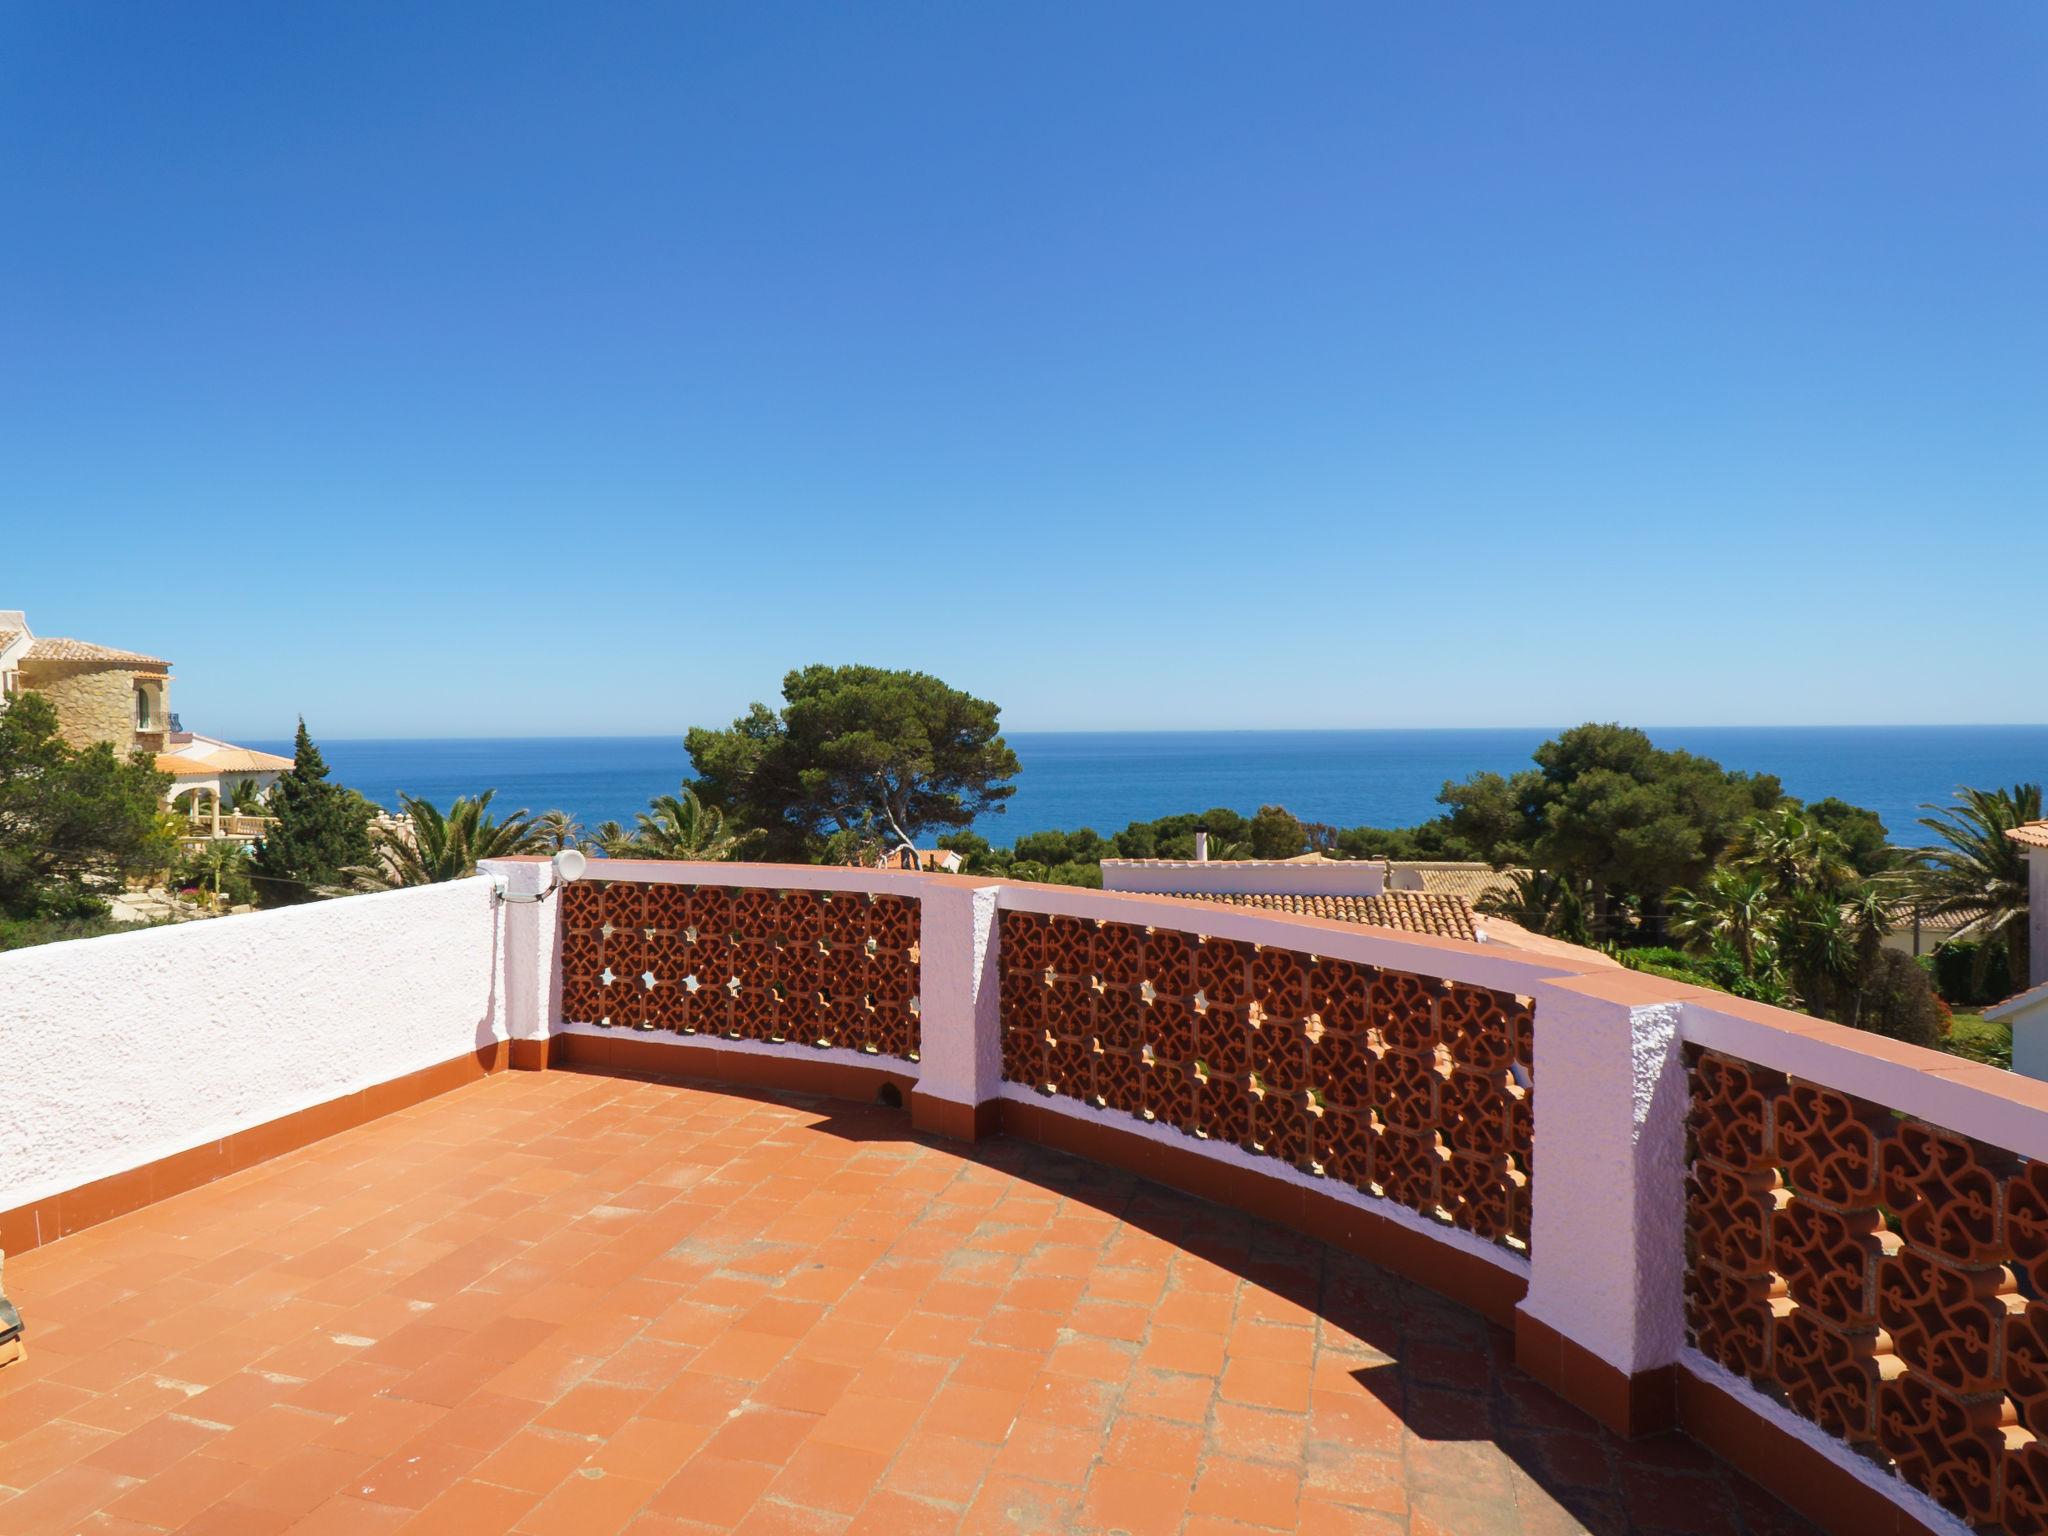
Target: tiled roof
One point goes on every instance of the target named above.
(49, 648)
(1431, 912)
(2019, 1002)
(220, 759)
(1455, 878)
(2032, 834)
(1302, 858)
(8, 637)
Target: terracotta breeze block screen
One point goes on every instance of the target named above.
(1882, 1276)
(814, 968)
(1402, 1086)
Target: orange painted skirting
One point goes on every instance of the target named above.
(74, 1210)
(1827, 1494)
(797, 1070)
(1486, 1288)
(1628, 1405)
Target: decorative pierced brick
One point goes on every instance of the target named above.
(1829, 1258)
(1170, 958)
(2026, 1223)
(1476, 1026)
(1168, 1092)
(1070, 946)
(1828, 1143)
(746, 963)
(1951, 1449)
(664, 908)
(1119, 1018)
(1728, 1318)
(1222, 971)
(1926, 1322)
(1945, 1320)
(1120, 1081)
(2024, 1502)
(1345, 1146)
(1732, 1104)
(1311, 1061)
(1343, 1070)
(1279, 986)
(2026, 1363)
(1278, 1053)
(621, 905)
(1340, 995)
(893, 922)
(1829, 1375)
(1409, 1165)
(1945, 1191)
(1120, 955)
(1224, 1110)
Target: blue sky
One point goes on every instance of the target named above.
(520, 369)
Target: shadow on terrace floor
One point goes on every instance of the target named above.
(1345, 1384)
(559, 1304)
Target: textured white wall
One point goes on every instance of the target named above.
(122, 1050)
(959, 1020)
(1608, 1222)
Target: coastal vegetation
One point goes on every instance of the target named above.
(1978, 870)
(75, 822)
(318, 839)
(854, 754)
(1672, 862)
(431, 845)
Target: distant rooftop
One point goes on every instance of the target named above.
(1447, 917)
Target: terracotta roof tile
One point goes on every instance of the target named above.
(50, 648)
(1431, 912)
(2032, 834)
(1448, 877)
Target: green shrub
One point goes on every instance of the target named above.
(1970, 974)
(29, 932)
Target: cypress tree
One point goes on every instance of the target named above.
(320, 832)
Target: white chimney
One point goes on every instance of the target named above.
(1201, 845)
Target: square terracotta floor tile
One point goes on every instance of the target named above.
(567, 1304)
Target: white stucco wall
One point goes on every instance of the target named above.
(1608, 1218)
(126, 1049)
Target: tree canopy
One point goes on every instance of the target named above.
(320, 834)
(74, 821)
(1606, 806)
(853, 746)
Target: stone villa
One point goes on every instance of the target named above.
(123, 698)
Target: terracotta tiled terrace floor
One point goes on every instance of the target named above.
(571, 1305)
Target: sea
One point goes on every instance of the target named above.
(1106, 779)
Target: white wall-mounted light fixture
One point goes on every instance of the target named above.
(569, 865)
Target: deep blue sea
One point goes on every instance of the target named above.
(1104, 779)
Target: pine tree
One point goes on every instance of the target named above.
(320, 831)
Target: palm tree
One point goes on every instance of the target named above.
(1540, 900)
(1793, 854)
(683, 827)
(612, 840)
(558, 830)
(1981, 870)
(430, 847)
(1734, 907)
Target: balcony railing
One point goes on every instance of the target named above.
(1823, 1253)
(236, 825)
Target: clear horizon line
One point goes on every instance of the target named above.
(1260, 730)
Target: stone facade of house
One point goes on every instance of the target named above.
(99, 700)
